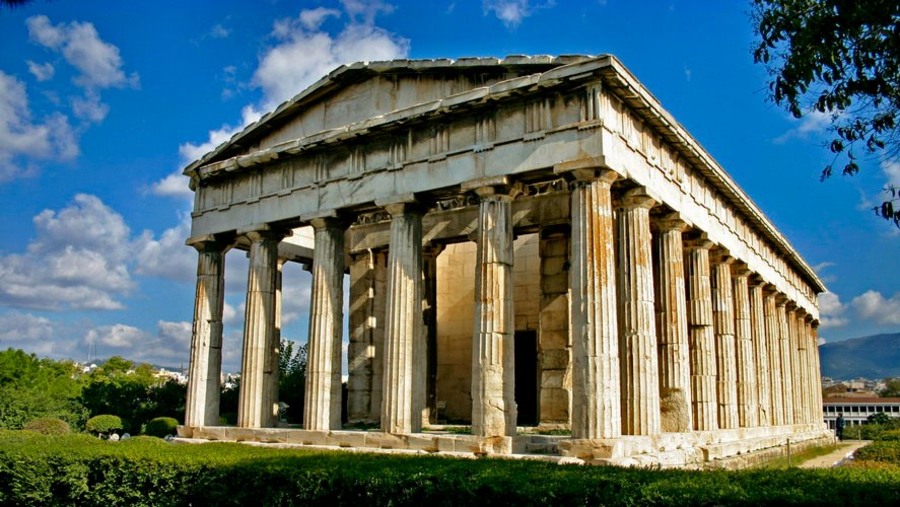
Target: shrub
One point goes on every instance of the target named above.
(102, 424)
(885, 451)
(890, 435)
(161, 426)
(48, 426)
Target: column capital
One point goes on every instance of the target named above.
(781, 299)
(588, 170)
(634, 198)
(209, 243)
(257, 232)
(669, 222)
(400, 205)
(721, 255)
(739, 269)
(698, 241)
(499, 186)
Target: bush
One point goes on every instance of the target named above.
(48, 426)
(161, 426)
(102, 424)
(885, 451)
(890, 435)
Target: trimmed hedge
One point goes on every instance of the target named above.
(161, 427)
(48, 426)
(81, 470)
(104, 423)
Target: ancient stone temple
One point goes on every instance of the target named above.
(532, 243)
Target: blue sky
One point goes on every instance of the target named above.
(103, 103)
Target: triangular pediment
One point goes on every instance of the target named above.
(354, 93)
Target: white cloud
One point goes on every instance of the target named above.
(41, 71)
(813, 122)
(170, 343)
(305, 53)
(219, 32)
(167, 257)
(117, 336)
(831, 311)
(891, 170)
(98, 62)
(20, 328)
(872, 305)
(89, 107)
(81, 258)
(510, 12)
(173, 185)
(23, 138)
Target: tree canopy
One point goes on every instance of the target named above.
(840, 58)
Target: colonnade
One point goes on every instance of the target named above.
(669, 332)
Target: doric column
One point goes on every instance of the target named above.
(700, 333)
(365, 350)
(726, 355)
(672, 326)
(493, 348)
(202, 407)
(596, 401)
(322, 407)
(404, 339)
(429, 316)
(787, 373)
(747, 391)
(773, 334)
(801, 404)
(816, 405)
(258, 397)
(638, 364)
(761, 352)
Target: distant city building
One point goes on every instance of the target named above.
(857, 409)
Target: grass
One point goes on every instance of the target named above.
(798, 458)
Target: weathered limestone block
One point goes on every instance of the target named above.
(202, 407)
(493, 374)
(726, 354)
(555, 378)
(365, 361)
(700, 332)
(596, 395)
(787, 384)
(637, 320)
(404, 339)
(671, 325)
(322, 407)
(802, 401)
(258, 397)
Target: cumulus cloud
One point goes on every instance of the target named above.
(170, 343)
(305, 52)
(21, 328)
(24, 140)
(873, 306)
(831, 311)
(98, 62)
(81, 258)
(167, 256)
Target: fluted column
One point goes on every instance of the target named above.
(747, 391)
(671, 326)
(322, 407)
(787, 374)
(202, 407)
(726, 354)
(761, 352)
(404, 337)
(773, 334)
(816, 405)
(801, 404)
(638, 362)
(493, 361)
(258, 397)
(701, 337)
(596, 403)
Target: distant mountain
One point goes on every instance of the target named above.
(872, 357)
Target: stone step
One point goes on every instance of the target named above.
(541, 448)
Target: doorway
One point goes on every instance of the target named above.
(526, 378)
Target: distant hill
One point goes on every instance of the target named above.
(872, 357)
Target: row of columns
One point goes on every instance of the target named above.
(660, 324)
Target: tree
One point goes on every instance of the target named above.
(292, 379)
(891, 388)
(31, 388)
(840, 58)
